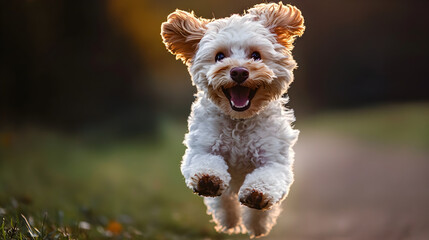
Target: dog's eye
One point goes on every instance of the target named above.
(256, 56)
(219, 56)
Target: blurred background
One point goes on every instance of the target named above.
(93, 110)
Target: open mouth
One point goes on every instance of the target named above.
(239, 97)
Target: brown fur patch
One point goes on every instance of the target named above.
(208, 186)
(285, 21)
(182, 32)
(255, 200)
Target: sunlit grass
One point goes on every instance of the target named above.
(134, 182)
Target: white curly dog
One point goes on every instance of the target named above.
(239, 144)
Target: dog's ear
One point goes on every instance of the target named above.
(182, 32)
(285, 21)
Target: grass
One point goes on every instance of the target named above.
(57, 186)
(61, 183)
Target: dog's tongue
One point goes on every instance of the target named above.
(239, 95)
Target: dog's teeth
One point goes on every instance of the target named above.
(233, 104)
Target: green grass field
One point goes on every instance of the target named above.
(58, 186)
(136, 183)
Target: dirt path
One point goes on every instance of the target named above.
(349, 189)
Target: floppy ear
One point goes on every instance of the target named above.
(285, 21)
(181, 34)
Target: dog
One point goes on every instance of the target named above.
(239, 153)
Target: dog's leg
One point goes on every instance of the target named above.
(261, 193)
(266, 186)
(205, 174)
(259, 222)
(226, 212)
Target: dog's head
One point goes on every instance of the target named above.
(242, 62)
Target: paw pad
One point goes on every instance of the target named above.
(208, 186)
(255, 200)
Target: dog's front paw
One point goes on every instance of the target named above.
(208, 185)
(256, 199)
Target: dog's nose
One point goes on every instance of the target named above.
(239, 74)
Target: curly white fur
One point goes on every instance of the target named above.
(239, 156)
